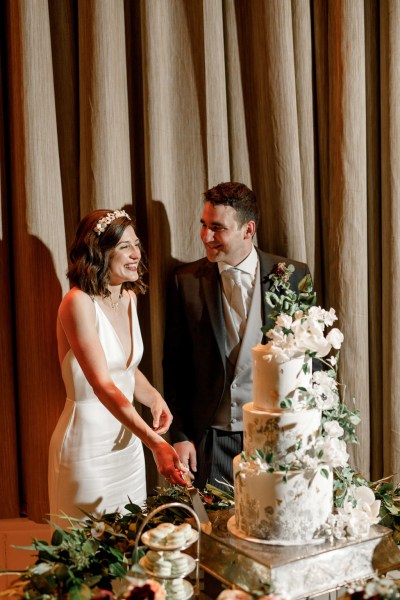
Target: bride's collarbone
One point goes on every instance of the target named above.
(118, 312)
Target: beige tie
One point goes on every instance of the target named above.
(233, 292)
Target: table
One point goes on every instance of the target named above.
(294, 571)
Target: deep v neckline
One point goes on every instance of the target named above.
(129, 360)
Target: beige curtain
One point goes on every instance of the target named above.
(146, 104)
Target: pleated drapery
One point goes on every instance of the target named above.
(145, 104)
(390, 216)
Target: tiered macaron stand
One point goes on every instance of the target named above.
(193, 563)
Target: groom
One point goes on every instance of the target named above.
(215, 312)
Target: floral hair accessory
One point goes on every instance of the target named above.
(104, 222)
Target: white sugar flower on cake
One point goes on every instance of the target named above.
(297, 327)
(324, 389)
(354, 519)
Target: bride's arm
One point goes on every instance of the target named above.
(146, 394)
(78, 321)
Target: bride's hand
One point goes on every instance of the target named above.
(162, 417)
(168, 463)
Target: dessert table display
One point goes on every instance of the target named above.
(113, 555)
(164, 559)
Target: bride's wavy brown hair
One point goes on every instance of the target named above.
(90, 253)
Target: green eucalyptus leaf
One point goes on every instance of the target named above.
(260, 454)
(133, 508)
(115, 552)
(117, 570)
(325, 473)
(272, 299)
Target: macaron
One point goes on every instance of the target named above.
(167, 527)
(152, 557)
(179, 565)
(162, 568)
(186, 529)
(176, 538)
(156, 537)
(175, 589)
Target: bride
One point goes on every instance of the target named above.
(96, 460)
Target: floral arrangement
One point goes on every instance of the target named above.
(93, 558)
(298, 325)
(376, 587)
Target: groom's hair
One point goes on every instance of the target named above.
(239, 196)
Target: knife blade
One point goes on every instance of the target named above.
(196, 501)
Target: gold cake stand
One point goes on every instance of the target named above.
(294, 571)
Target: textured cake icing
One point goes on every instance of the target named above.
(275, 381)
(281, 507)
(283, 493)
(285, 433)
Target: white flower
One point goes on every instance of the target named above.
(380, 587)
(324, 390)
(333, 451)
(332, 361)
(325, 316)
(324, 379)
(360, 510)
(335, 527)
(366, 501)
(310, 462)
(357, 524)
(306, 334)
(284, 320)
(330, 317)
(333, 429)
(312, 342)
(280, 346)
(335, 337)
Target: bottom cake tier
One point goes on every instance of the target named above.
(287, 507)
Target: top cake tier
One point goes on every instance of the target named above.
(273, 382)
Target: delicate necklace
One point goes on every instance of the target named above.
(114, 305)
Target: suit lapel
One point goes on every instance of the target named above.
(267, 263)
(212, 294)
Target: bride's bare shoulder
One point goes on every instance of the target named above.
(76, 301)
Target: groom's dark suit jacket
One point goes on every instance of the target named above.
(194, 350)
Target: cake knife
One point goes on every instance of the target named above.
(197, 503)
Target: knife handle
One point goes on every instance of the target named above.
(186, 477)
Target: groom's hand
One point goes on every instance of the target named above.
(187, 455)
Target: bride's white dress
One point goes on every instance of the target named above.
(95, 463)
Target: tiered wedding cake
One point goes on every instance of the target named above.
(278, 496)
(283, 480)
